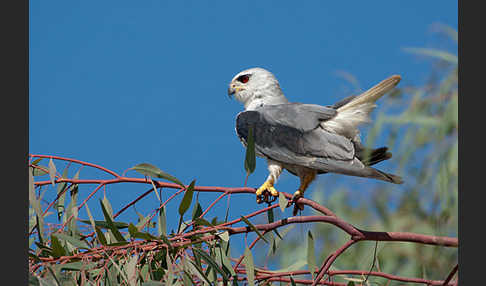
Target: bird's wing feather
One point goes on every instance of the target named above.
(281, 138)
(304, 117)
(285, 132)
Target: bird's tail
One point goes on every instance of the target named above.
(387, 177)
(370, 157)
(371, 95)
(355, 110)
(354, 168)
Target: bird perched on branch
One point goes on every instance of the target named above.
(306, 139)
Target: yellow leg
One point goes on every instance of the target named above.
(267, 186)
(304, 184)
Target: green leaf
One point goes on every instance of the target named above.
(187, 199)
(282, 201)
(253, 228)
(292, 282)
(111, 225)
(72, 240)
(201, 221)
(107, 205)
(214, 221)
(152, 283)
(195, 270)
(147, 169)
(271, 219)
(210, 261)
(132, 230)
(143, 221)
(166, 241)
(187, 279)
(295, 266)
(61, 192)
(104, 224)
(162, 226)
(52, 171)
(101, 237)
(40, 172)
(311, 257)
(78, 266)
(53, 274)
(224, 235)
(448, 57)
(91, 220)
(196, 211)
(250, 159)
(35, 203)
(135, 233)
(119, 243)
(57, 248)
(249, 267)
(131, 270)
(225, 261)
(36, 161)
(276, 241)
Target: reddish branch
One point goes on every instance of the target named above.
(184, 239)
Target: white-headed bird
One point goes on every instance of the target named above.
(306, 139)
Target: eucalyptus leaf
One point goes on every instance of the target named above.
(201, 221)
(187, 199)
(443, 55)
(282, 201)
(162, 222)
(52, 171)
(249, 267)
(72, 240)
(311, 257)
(101, 237)
(61, 193)
(210, 261)
(57, 248)
(196, 211)
(147, 169)
(195, 270)
(36, 161)
(111, 225)
(104, 224)
(153, 283)
(250, 158)
(253, 228)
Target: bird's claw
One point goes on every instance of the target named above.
(266, 193)
(297, 195)
(297, 207)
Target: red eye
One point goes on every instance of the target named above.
(243, 78)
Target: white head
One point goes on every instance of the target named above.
(256, 87)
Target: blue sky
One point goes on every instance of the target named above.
(119, 83)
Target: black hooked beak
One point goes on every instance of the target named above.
(231, 91)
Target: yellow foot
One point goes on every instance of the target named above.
(262, 192)
(298, 194)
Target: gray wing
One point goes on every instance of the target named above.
(304, 117)
(291, 133)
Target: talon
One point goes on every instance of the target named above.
(273, 191)
(296, 195)
(263, 190)
(297, 207)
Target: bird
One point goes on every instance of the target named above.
(306, 139)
